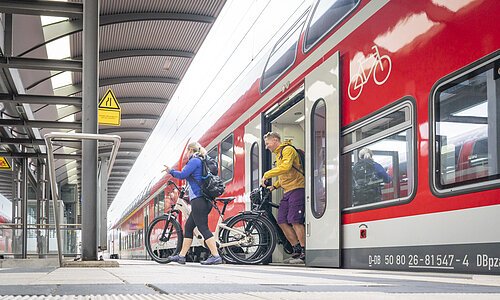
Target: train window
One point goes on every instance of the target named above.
(282, 56)
(214, 153)
(466, 130)
(161, 201)
(318, 155)
(378, 159)
(325, 16)
(227, 158)
(156, 207)
(254, 166)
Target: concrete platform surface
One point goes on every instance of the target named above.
(148, 280)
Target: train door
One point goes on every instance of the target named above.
(145, 229)
(322, 137)
(286, 118)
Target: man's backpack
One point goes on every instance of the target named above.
(212, 185)
(302, 158)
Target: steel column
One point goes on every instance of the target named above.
(24, 205)
(89, 122)
(103, 204)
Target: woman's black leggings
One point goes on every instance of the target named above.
(200, 208)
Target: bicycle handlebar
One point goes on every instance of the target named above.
(181, 190)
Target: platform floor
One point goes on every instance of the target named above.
(148, 280)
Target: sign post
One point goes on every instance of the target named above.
(109, 110)
(4, 164)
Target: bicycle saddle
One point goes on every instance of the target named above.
(225, 200)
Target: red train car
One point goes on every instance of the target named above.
(416, 82)
(5, 236)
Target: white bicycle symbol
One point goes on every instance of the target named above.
(380, 65)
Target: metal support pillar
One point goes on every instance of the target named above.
(7, 43)
(103, 205)
(41, 203)
(89, 126)
(24, 193)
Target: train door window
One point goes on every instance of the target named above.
(325, 16)
(283, 55)
(214, 154)
(378, 158)
(227, 158)
(156, 207)
(466, 129)
(161, 201)
(318, 154)
(254, 166)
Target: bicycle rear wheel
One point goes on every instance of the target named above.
(164, 238)
(257, 243)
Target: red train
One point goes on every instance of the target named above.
(417, 82)
(5, 236)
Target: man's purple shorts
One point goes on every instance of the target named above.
(292, 207)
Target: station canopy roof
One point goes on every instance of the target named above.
(145, 49)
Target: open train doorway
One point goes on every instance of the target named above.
(288, 120)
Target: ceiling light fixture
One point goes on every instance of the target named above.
(167, 64)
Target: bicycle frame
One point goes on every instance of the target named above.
(182, 206)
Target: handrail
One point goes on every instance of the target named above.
(116, 139)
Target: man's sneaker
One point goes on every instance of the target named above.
(297, 250)
(177, 258)
(212, 260)
(303, 255)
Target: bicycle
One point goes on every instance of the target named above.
(262, 205)
(379, 65)
(247, 240)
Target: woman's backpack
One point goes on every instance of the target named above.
(212, 185)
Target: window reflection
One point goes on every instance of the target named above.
(467, 129)
(254, 166)
(227, 158)
(326, 15)
(318, 202)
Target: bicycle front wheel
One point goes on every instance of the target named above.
(257, 243)
(164, 238)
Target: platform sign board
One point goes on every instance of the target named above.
(109, 110)
(4, 164)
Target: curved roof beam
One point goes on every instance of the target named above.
(121, 150)
(112, 54)
(61, 29)
(125, 129)
(108, 55)
(72, 89)
(42, 8)
(140, 116)
(143, 100)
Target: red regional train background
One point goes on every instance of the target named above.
(416, 82)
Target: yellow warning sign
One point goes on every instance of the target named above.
(109, 110)
(4, 164)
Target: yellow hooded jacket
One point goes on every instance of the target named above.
(288, 178)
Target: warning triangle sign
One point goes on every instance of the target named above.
(4, 164)
(109, 101)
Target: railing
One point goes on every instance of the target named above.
(49, 137)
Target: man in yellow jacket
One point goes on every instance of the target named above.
(290, 175)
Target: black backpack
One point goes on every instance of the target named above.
(302, 158)
(366, 182)
(211, 185)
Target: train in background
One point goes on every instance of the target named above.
(5, 233)
(416, 82)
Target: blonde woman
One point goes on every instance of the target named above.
(200, 206)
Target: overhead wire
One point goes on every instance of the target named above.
(235, 79)
(219, 71)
